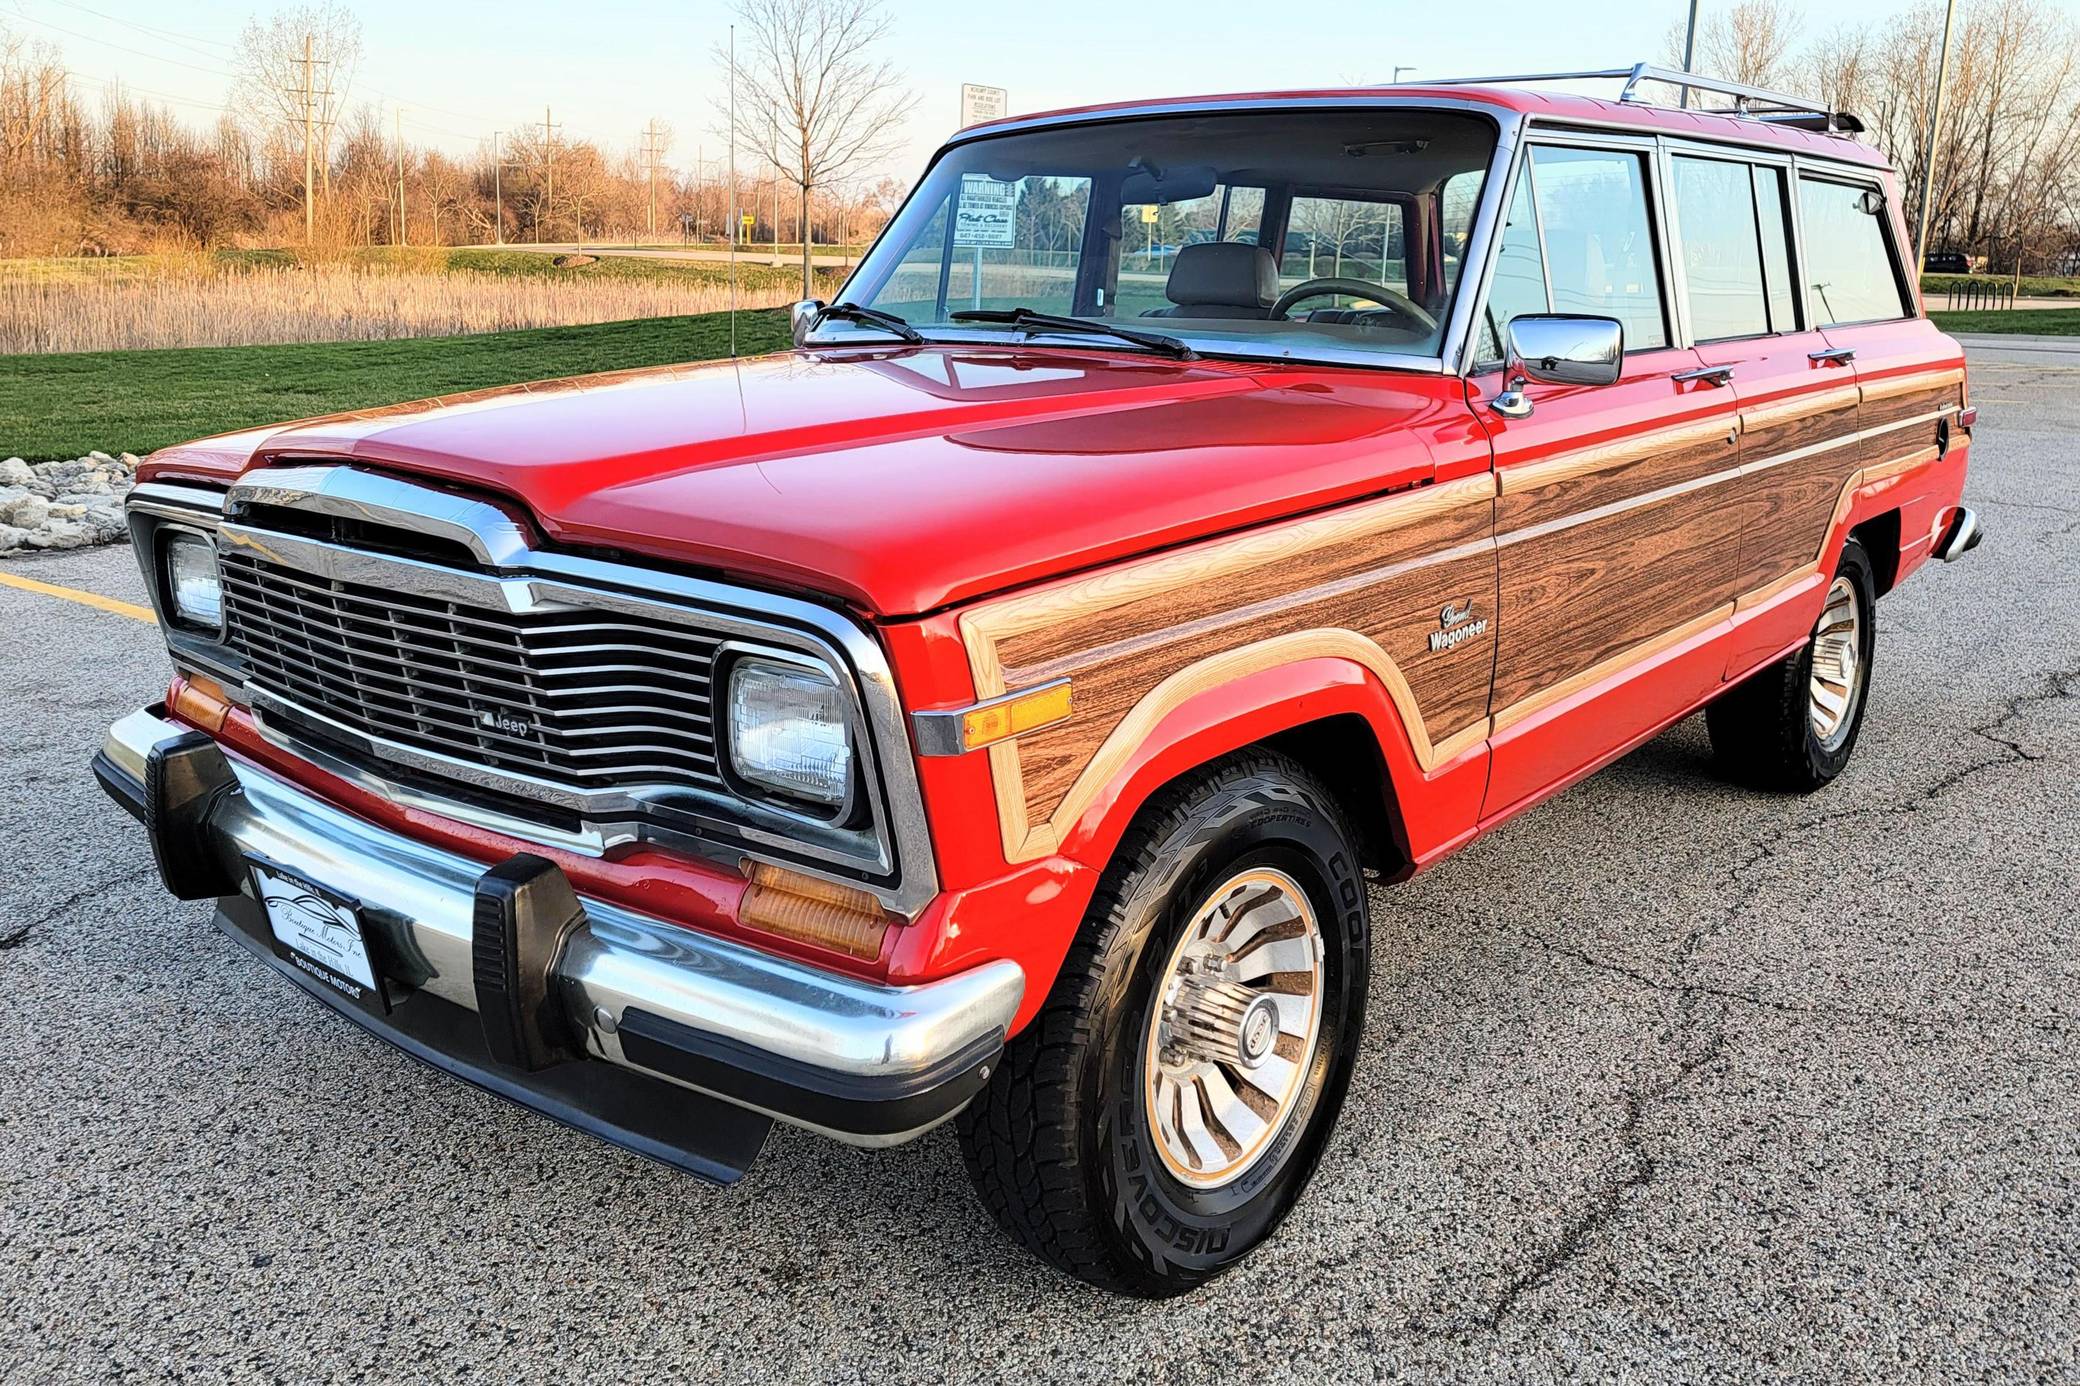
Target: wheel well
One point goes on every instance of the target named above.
(1343, 753)
(1879, 536)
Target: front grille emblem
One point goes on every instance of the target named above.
(500, 720)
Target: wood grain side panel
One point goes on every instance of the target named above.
(1133, 640)
(1786, 514)
(1539, 494)
(1572, 598)
(1450, 687)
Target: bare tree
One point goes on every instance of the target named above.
(812, 102)
(294, 70)
(1748, 43)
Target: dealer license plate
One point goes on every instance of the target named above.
(319, 934)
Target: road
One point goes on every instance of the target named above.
(1666, 1080)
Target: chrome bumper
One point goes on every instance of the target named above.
(1961, 536)
(867, 1063)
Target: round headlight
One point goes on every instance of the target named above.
(193, 588)
(788, 731)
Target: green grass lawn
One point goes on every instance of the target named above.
(1934, 286)
(135, 401)
(2032, 322)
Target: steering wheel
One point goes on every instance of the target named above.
(1400, 304)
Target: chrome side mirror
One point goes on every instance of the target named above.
(1558, 349)
(802, 316)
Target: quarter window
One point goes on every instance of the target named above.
(1849, 266)
(1520, 271)
(1721, 249)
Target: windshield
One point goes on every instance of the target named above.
(1297, 233)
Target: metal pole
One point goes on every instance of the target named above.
(1935, 129)
(398, 129)
(733, 190)
(1690, 50)
(309, 161)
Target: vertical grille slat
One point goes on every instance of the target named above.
(585, 699)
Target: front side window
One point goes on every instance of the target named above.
(1243, 233)
(1849, 267)
(1599, 248)
(1721, 248)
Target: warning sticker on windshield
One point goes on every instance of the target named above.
(988, 212)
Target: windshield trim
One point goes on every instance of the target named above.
(1454, 348)
(1222, 348)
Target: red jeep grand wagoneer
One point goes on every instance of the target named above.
(994, 708)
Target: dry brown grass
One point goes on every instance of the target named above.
(183, 302)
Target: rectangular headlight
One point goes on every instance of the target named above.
(193, 588)
(788, 731)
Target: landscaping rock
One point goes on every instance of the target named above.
(64, 504)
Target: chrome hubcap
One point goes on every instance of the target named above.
(1837, 685)
(1238, 1016)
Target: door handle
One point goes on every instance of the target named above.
(1710, 375)
(1833, 356)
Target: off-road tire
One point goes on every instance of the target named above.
(1762, 728)
(1058, 1144)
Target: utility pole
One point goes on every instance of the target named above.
(498, 189)
(310, 169)
(732, 190)
(398, 130)
(549, 163)
(1690, 50)
(307, 87)
(1935, 132)
(652, 152)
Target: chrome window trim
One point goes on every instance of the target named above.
(533, 578)
(1453, 346)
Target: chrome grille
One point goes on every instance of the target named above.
(588, 699)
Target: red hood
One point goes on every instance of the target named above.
(900, 481)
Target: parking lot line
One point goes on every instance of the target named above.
(73, 594)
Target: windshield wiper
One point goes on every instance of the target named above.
(1049, 322)
(869, 317)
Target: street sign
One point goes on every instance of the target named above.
(981, 103)
(988, 212)
(1148, 213)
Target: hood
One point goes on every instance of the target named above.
(899, 481)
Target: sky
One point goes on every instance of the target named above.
(458, 72)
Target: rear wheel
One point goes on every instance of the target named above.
(1164, 1110)
(1793, 725)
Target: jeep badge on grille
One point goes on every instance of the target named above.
(500, 720)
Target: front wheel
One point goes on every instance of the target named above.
(1792, 725)
(1161, 1114)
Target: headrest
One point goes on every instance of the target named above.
(1228, 273)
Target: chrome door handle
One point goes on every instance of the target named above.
(1843, 355)
(1710, 375)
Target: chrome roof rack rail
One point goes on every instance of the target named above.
(1758, 102)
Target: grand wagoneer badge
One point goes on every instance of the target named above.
(1453, 628)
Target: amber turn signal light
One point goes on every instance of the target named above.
(822, 914)
(201, 703)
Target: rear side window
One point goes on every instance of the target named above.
(1721, 249)
(1849, 268)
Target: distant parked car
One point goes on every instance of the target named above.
(1948, 262)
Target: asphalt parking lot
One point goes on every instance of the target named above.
(1665, 1080)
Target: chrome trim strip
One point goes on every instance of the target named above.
(495, 537)
(419, 901)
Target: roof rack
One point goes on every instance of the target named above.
(1758, 103)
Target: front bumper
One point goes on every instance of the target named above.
(649, 1022)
